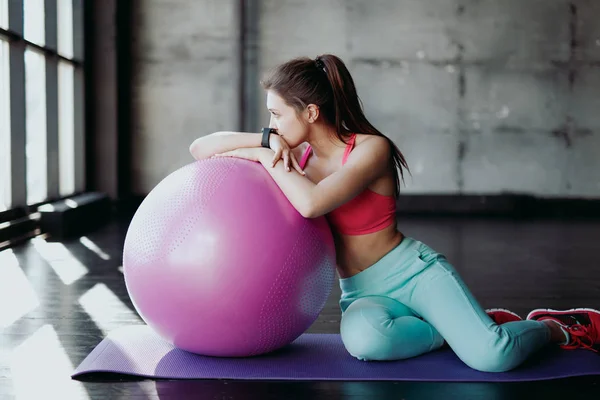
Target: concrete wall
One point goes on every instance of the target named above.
(185, 81)
(483, 96)
(104, 116)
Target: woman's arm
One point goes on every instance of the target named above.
(224, 142)
(365, 164)
(221, 142)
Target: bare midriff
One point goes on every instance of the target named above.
(357, 253)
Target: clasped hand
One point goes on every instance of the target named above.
(279, 149)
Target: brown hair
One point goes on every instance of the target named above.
(327, 83)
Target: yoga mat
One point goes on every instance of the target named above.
(138, 351)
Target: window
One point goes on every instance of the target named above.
(4, 14)
(42, 155)
(65, 28)
(4, 127)
(35, 111)
(33, 18)
(66, 128)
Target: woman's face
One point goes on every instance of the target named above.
(285, 120)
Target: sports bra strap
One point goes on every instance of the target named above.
(349, 148)
(305, 157)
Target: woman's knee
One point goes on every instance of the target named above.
(361, 339)
(365, 325)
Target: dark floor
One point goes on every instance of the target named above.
(59, 300)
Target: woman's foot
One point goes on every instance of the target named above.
(580, 327)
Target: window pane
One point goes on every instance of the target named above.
(34, 15)
(4, 14)
(35, 150)
(65, 27)
(66, 128)
(79, 129)
(4, 127)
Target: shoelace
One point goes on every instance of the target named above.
(581, 337)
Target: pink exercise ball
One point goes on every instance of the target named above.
(218, 262)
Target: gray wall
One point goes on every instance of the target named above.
(483, 96)
(104, 88)
(185, 81)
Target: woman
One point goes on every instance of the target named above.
(400, 298)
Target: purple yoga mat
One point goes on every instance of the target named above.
(137, 350)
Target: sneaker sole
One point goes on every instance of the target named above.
(503, 310)
(572, 310)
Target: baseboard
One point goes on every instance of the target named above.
(506, 206)
(15, 230)
(13, 214)
(75, 216)
(502, 206)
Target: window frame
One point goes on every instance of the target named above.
(17, 45)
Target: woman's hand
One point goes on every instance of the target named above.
(282, 149)
(256, 154)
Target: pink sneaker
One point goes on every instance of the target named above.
(582, 324)
(501, 316)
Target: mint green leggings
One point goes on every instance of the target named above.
(412, 299)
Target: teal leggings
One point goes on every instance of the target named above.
(412, 300)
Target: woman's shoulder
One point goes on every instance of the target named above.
(372, 143)
(367, 137)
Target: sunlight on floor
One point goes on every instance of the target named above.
(41, 369)
(93, 247)
(148, 388)
(106, 310)
(16, 293)
(66, 266)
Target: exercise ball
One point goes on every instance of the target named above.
(218, 262)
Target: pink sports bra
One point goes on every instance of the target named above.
(366, 213)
